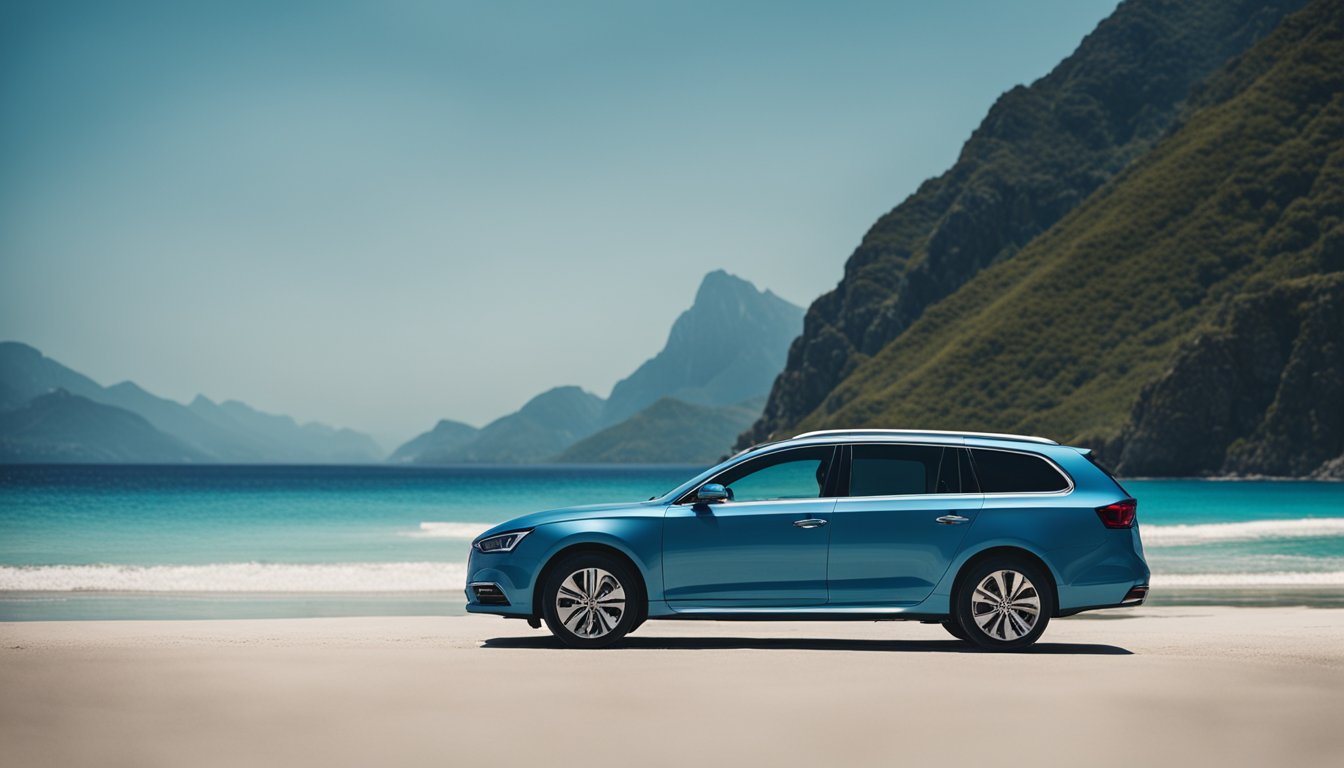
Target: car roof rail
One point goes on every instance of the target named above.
(929, 432)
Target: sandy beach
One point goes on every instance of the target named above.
(1158, 686)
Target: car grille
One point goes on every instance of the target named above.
(489, 594)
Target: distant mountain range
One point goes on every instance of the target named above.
(50, 413)
(1141, 252)
(59, 428)
(683, 405)
(725, 350)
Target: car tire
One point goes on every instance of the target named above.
(590, 600)
(954, 629)
(995, 603)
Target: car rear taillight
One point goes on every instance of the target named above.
(1120, 514)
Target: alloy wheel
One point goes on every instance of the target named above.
(590, 602)
(1005, 605)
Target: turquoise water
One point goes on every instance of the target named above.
(93, 542)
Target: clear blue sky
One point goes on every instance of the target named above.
(380, 214)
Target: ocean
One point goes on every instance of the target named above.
(79, 542)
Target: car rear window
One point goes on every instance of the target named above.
(1012, 472)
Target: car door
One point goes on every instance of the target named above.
(765, 547)
(899, 522)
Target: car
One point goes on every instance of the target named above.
(989, 535)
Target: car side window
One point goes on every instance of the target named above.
(797, 474)
(1012, 472)
(900, 470)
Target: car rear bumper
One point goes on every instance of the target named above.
(1133, 598)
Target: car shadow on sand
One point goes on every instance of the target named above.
(540, 642)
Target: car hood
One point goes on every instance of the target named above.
(585, 512)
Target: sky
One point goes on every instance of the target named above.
(380, 214)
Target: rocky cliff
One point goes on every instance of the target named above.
(1261, 392)
(1040, 151)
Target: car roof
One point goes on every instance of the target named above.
(1006, 441)
(937, 436)
(945, 437)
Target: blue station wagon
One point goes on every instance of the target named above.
(989, 535)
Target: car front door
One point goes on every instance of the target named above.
(764, 547)
(899, 523)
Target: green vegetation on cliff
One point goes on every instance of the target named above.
(1040, 152)
(1247, 191)
(1261, 392)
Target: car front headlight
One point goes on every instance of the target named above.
(500, 542)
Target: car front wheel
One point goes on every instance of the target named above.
(954, 629)
(1004, 603)
(589, 600)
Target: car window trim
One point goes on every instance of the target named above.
(849, 464)
(688, 498)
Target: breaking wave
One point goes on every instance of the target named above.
(464, 531)
(237, 577)
(1254, 530)
(1280, 579)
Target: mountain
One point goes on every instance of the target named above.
(283, 439)
(1218, 250)
(726, 348)
(26, 374)
(232, 432)
(445, 440)
(668, 432)
(722, 353)
(541, 429)
(224, 443)
(59, 427)
(1039, 153)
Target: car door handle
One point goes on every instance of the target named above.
(811, 522)
(953, 519)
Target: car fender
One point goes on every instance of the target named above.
(942, 593)
(639, 539)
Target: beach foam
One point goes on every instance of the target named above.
(463, 531)
(418, 577)
(237, 577)
(1280, 579)
(1254, 530)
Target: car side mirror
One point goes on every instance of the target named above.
(710, 493)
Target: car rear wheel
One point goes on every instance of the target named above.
(954, 629)
(1004, 603)
(589, 600)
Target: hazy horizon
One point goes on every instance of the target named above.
(379, 215)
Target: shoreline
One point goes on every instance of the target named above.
(1175, 686)
(98, 606)
(38, 606)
